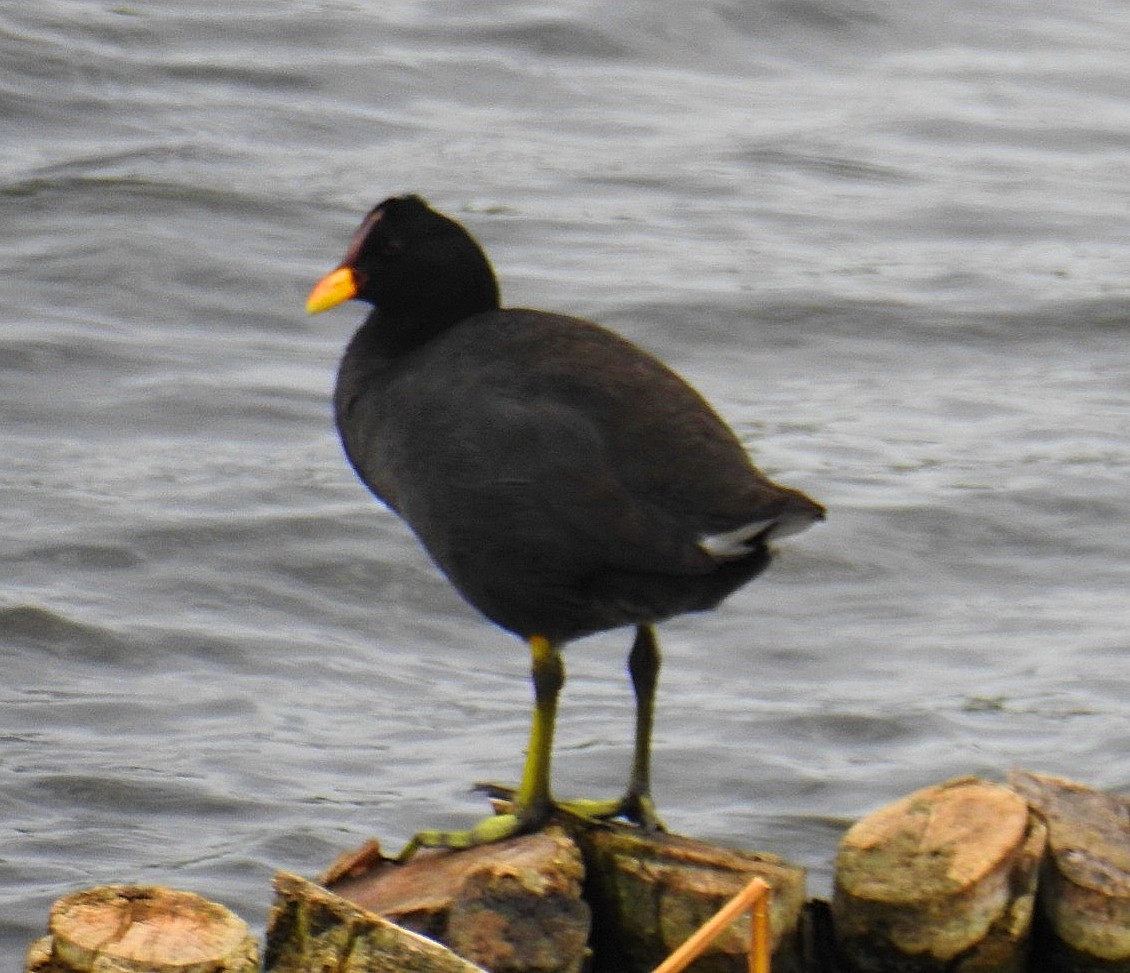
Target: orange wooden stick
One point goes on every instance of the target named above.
(759, 934)
(755, 894)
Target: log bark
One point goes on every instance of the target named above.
(651, 892)
(142, 929)
(1085, 886)
(312, 929)
(512, 907)
(943, 879)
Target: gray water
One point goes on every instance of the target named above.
(889, 241)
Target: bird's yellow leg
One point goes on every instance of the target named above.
(548, 672)
(636, 804)
(533, 802)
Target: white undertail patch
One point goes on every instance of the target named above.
(732, 544)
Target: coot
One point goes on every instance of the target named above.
(565, 481)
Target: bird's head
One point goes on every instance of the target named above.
(414, 265)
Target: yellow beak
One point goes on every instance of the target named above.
(337, 286)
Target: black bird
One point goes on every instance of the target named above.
(565, 481)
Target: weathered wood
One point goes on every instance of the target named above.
(942, 879)
(142, 929)
(311, 929)
(515, 906)
(752, 900)
(1085, 886)
(651, 892)
(512, 907)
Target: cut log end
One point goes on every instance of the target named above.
(143, 928)
(948, 871)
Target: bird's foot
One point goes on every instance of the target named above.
(637, 808)
(634, 806)
(496, 828)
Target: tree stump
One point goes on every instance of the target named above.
(1085, 886)
(512, 907)
(311, 929)
(943, 879)
(650, 892)
(142, 929)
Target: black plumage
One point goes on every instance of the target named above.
(564, 480)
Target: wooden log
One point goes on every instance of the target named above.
(1085, 886)
(142, 929)
(942, 879)
(518, 901)
(651, 892)
(512, 907)
(754, 900)
(312, 929)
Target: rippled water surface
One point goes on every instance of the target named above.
(889, 241)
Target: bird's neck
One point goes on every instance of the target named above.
(387, 336)
(390, 331)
